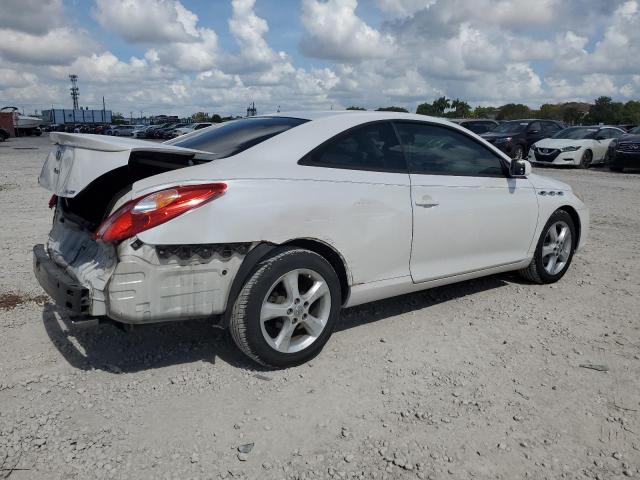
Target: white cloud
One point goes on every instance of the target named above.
(334, 31)
(35, 17)
(148, 21)
(57, 47)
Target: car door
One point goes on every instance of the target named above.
(365, 210)
(535, 132)
(468, 215)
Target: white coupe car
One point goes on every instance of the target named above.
(579, 146)
(270, 225)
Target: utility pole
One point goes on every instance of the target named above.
(75, 92)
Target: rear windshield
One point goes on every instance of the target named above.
(236, 136)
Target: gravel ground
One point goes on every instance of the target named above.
(483, 379)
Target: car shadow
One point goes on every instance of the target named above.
(109, 348)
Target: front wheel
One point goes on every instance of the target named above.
(554, 251)
(286, 311)
(587, 158)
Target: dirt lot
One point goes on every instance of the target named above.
(484, 379)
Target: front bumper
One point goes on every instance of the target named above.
(625, 159)
(65, 290)
(554, 158)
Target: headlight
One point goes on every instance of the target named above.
(570, 149)
(503, 140)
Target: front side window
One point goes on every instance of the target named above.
(236, 136)
(436, 150)
(373, 147)
(535, 127)
(612, 132)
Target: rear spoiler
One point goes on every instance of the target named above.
(79, 159)
(106, 143)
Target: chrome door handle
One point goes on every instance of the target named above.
(426, 204)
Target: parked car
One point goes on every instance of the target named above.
(140, 131)
(516, 136)
(192, 127)
(123, 131)
(151, 131)
(270, 225)
(627, 127)
(167, 133)
(4, 135)
(476, 125)
(624, 152)
(579, 146)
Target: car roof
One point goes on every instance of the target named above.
(362, 115)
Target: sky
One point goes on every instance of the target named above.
(217, 56)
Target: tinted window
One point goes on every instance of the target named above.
(236, 136)
(611, 133)
(576, 133)
(436, 150)
(535, 126)
(479, 127)
(369, 147)
(511, 127)
(551, 127)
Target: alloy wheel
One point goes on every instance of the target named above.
(295, 310)
(556, 248)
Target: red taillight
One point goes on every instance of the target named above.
(53, 200)
(154, 209)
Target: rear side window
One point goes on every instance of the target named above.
(374, 146)
(436, 150)
(236, 136)
(479, 127)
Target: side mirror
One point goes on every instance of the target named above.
(519, 168)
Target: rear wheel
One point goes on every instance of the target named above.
(554, 251)
(587, 158)
(286, 311)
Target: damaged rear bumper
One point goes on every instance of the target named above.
(135, 283)
(65, 290)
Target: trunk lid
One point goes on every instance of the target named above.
(79, 159)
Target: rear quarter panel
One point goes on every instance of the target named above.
(368, 224)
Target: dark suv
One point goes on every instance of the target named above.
(516, 136)
(624, 152)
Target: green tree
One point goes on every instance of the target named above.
(485, 112)
(200, 117)
(631, 112)
(353, 107)
(572, 115)
(461, 109)
(425, 109)
(440, 105)
(215, 118)
(392, 109)
(513, 111)
(606, 111)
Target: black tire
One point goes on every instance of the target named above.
(245, 324)
(587, 159)
(536, 272)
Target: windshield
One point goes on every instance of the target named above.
(236, 136)
(635, 131)
(511, 127)
(576, 133)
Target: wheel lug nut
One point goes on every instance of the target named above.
(304, 315)
(297, 300)
(289, 312)
(306, 304)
